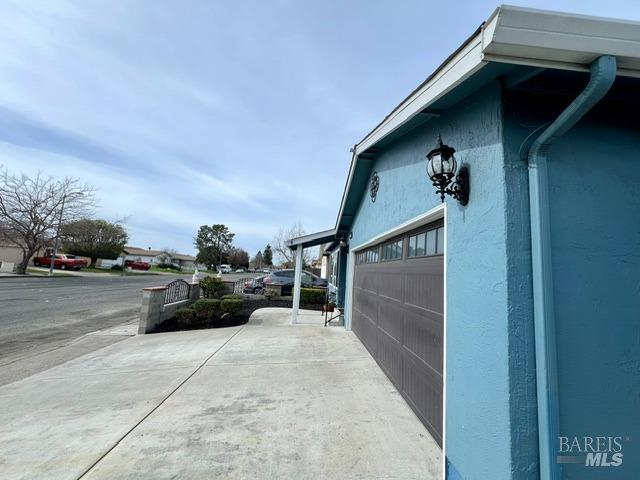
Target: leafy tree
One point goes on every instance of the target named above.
(213, 243)
(32, 210)
(268, 256)
(94, 239)
(238, 257)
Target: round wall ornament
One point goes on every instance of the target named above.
(375, 184)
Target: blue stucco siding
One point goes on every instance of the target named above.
(594, 175)
(595, 235)
(478, 394)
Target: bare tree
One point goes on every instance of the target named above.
(280, 245)
(32, 209)
(167, 255)
(238, 257)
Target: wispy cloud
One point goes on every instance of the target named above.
(186, 113)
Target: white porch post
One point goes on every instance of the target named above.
(297, 283)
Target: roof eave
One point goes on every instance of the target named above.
(515, 36)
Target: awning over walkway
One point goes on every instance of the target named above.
(299, 244)
(313, 239)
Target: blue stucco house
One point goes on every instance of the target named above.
(508, 320)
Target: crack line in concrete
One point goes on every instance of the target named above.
(87, 470)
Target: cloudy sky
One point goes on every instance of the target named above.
(185, 113)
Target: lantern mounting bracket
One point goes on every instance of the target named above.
(460, 188)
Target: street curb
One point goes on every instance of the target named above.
(35, 276)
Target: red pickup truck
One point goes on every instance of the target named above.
(62, 261)
(137, 265)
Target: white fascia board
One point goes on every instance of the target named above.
(524, 36)
(352, 167)
(560, 40)
(462, 66)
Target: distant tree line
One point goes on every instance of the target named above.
(38, 211)
(215, 247)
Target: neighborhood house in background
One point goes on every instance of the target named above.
(137, 258)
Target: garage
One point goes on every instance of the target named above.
(398, 314)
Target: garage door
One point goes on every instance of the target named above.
(398, 315)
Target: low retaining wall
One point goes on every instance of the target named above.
(7, 267)
(253, 304)
(154, 311)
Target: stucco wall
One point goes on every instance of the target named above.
(478, 393)
(595, 233)
(10, 253)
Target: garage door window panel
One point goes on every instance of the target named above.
(440, 240)
(392, 251)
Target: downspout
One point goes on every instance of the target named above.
(603, 74)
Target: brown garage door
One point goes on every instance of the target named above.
(398, 315)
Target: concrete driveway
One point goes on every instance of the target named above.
(266, 400)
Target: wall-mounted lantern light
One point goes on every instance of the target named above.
(441, 168)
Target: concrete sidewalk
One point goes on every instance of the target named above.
(266, 400)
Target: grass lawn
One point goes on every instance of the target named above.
(108, 271)
(34, 271)
(155, 268)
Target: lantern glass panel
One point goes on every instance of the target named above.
(436, 163)
(448, 165)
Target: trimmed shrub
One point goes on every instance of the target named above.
(212, 287)
(206, 308)
(232, 296)
(270, 293)
(169, 266)
(231, 305)
(313, 296)
(186, 317)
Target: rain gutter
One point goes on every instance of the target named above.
(603, 74)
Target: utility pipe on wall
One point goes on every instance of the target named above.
(603, 74)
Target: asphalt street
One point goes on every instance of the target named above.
(47, 321)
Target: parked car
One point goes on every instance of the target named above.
(266, 270)
(225, 269)
(137, 265)
(239, 270)
(255, 285)
(61, 261)
(285, 278)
